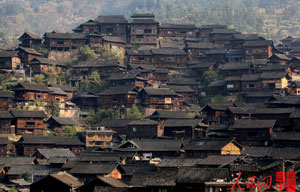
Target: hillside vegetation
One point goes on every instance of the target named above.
(272, 19)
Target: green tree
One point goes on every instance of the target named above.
(53, 109)
(102, 114)
(208, 77)
(39, 79)
(51, 76)
(93, 84)
(27, 176)
(135, 113)
(218, 99)
(70, 131)
(86, 54)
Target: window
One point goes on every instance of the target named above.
(109, 30)
(60, 42)
(147, 30)
(134, 129)
(141, 58)
(251, 85)
(140, 36)
(38, 96)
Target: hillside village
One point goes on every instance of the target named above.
(137, 105)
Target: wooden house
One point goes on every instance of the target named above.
(294, 88)
(257, 132)
(84, 69)
(216, 55)
(30, 40)
(140, 57)
(142, 128)
(28, 122)
(197, 69)
(218, 87)
(205, 31)
(99, 137)
(28, 145)
(104, 183)
(258, 96)
(261, 49)
(131, 78)
(274, 80)
(58, 95)
(87, 102)
(187, 93)
(151, 148)
(6, 119)
(169, 58)
(237, 42)
(61, 180)
(44, 65)
(6, 100)
(280, 59)
(159, 98)
(4, 146)
(194, 49)
(295, 63)
(28, 94)
(66, 88)
(119, 97)
(177, 30)
(27, 54)
(111, 25)
(161, 115)
(143, 29)
(55, 157)
(222, 36)
(235, 69)
(58, 124)
(9, 60)
(119, 126)
(114, 43)
(233, 84)
(88, 171)
(64, 41)
(251, 82)
(216, 113)
(286, 139)
(183, 128)
(202, 148)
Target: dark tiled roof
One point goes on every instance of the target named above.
(178, 162)
(5, 115)
(57, 35)
(200, 45)
(8, 161)
(183, 81)
(67, 179)
(224, 31)
(213, 26)
(49, 153)
(133, 52)
(97, 64)
(201, 175)
(32, 35)
(182, 122)
(57, 91)
(118, 91)
(121, 76)
(295, 114)
(28, 114)
(32, 87)
(65, 121)
(144, 21)
(26, 139)
(4, 53)
(159, 91)
(234, 66)
(171, 43)
(112, 123)
(258, 151)
(281, 56)
(272, 75)
(111, 19)
(4, 141)
(233, 78)
(66, 88)
(289, 136)
(30, 51)
(274, 68)
(43, 60)
(94, 169)
(114, 39)
(250, 77)
(154, 145)
(143, 122)
(260, 43)
(170, 115)
(142, 15)
(177, 26)
(253, 124)
(217, 160)
(6, 94)
(247, 37)
(260, 94)
(179, 89)
(217, 83)
(277, 110)
(168, 51)
(39, 170)
(112, 181)
(131, 169)
(207, 144)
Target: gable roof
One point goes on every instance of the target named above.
(67, 179)
(159, 91)
(31, 35)
(281, 56)
(65, 121)
(6, 94)
(27, 139)
(6, 53)
(42, 60)
(114, 39)
(57, 91)
(30, 51)
(50, 153)
(168, 51)
(66, 88)
(111, 19)
(94, 169)
(31, 87)
(28, 114)
(253, 124)
(170, 115)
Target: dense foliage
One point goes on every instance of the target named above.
(273, 19)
